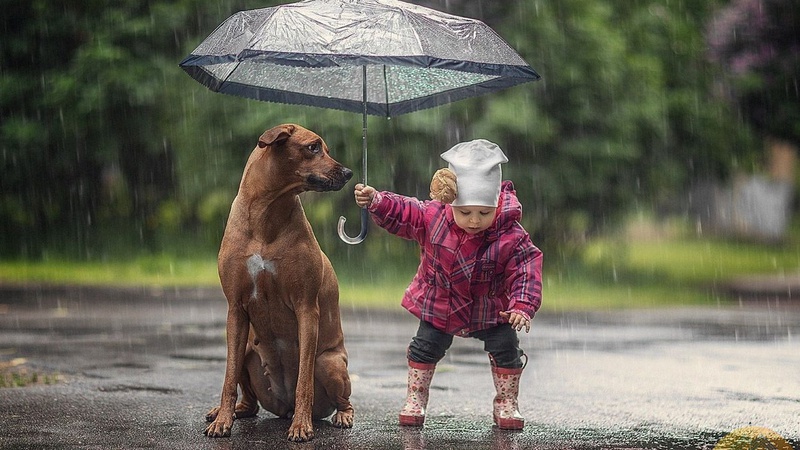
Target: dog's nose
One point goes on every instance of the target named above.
(347, 173)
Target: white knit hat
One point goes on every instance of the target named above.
(477, 168)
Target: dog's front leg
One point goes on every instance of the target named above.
(302, 428)
(238, 327)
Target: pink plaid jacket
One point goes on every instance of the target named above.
(464, 281)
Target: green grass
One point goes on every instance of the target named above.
(625, 271)
(22, 378)
(588, 294)
(699, 261)
(668, 265)
(149, 271)
(15, 373)
(386, 294)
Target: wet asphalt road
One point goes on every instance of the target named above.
(140, 368)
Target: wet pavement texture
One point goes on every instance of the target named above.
(139, 368)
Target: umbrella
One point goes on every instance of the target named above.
(377, 57)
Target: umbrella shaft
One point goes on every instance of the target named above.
(364, 129)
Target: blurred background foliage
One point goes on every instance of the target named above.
(110, 151)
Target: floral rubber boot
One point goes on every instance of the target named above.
(419, 382)
(506, 407)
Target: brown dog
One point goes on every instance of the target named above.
(283, 295)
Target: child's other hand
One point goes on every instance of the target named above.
(517, 321)
(364, 195)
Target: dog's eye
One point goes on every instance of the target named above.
(314, 148)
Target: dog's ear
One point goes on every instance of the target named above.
(275, 135)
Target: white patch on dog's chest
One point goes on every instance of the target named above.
(255, 265)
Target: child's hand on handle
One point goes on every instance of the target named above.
(364, 195)
(517, 321)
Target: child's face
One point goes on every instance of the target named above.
(474, 219)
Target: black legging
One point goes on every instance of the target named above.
(502, 343)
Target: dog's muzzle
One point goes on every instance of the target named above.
(332, 181)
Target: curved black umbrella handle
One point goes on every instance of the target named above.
(361, 236)
(364, 213)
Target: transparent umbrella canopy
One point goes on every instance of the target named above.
(374, 57)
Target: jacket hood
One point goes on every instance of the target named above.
(510, 211)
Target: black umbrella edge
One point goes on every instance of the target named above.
(315, 60)
(375, 109)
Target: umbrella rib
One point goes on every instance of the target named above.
(238, 62)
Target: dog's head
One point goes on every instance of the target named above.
(302, 160)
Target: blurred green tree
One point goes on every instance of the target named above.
(88, 102)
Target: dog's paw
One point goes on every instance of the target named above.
(301, 432)
(211, 415)
(343, 419)
(244, 410)
(219, 428)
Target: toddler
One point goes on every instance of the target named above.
(479, 274)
